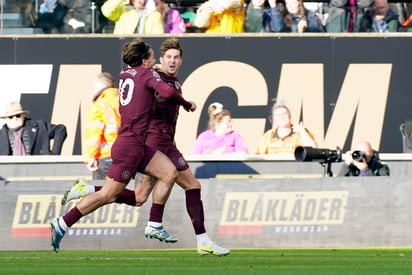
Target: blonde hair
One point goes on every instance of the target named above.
(101, 82)
(279, 105)
(216, 114)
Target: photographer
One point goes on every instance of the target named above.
(363, 161)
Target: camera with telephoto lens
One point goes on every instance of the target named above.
(358, 155)
(307, 153)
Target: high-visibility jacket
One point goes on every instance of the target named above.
(103, 122)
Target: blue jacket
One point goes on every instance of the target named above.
(273, 21)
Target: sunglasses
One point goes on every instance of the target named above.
(17, 116)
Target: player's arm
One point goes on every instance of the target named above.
(168, 92)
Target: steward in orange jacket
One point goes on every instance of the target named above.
(103, 121)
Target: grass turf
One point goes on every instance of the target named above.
(180, 261)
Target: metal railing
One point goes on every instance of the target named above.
(13, 19)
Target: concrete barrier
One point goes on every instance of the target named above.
(267, 211)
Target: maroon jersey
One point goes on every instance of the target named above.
(138, 88)
(136, 105)
(166, 111)
(163, 125)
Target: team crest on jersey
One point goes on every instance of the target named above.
(177, 85)
(126, 175)
(156, 75)
(182, 161)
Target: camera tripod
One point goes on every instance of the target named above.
(327, 167)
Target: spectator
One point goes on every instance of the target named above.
(345, 15)
(21, 135)
(380, 18)
(50, 17)
(189, 16)
(363, 161)
(270, 16)
(284, 136)
(25, 8)
(220, 138)
(221, 16)
(136, 16)
(319, 8)
(103, 122)
(255, 11)
(79, 16)
(172, 20)
(293, 17)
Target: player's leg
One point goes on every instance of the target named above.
(120, 172)
(110, 190)
(194, 207)
(81, 189)
(159, 166)
(143, 187)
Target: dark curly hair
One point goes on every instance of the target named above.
(135, 51)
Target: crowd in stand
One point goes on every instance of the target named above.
(214, 16)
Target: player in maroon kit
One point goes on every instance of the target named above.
(139, 84)
(161, 137)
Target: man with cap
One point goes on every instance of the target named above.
(21, 135)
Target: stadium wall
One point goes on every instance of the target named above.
(283, 204)
(343, 87)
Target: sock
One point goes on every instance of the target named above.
(195, 210)
(127, 196)
(71, 217)
(203, 239)
(154, 224)
(156, 213)
(62, 224)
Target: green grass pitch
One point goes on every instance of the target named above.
(183, 261)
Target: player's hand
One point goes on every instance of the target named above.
(193, 108)
(157, 67)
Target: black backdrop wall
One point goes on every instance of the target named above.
(374, 71)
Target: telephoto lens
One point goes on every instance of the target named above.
(358, 155)
(307, 153)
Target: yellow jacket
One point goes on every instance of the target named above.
(103, 122)
(126, 18)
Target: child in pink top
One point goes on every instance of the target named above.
(220, 138)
